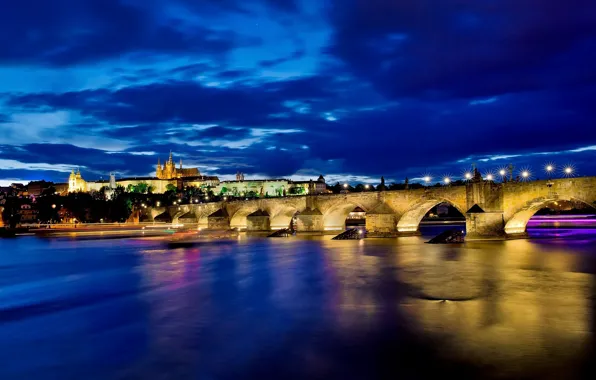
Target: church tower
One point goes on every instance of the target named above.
(76, 182)
(158, 171)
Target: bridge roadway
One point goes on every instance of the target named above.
(503, 209)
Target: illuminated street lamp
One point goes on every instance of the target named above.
(525, 174)
(502, 172)
(549, 169)
(489, 177)
(447, 180)
(568, 170)
(468, 175)
(53, 206)
(345, 185)
(427, 179)
(366, 187)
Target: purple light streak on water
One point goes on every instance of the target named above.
(573, 227)
(555, 221)
(577, 235)
(562, 216)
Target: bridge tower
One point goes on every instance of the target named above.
(484, 216)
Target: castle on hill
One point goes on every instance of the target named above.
(169, 174)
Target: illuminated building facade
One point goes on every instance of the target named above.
(76, 182)
(270, 187)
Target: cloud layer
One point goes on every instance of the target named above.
(351, 89)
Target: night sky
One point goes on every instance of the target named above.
(351, 89)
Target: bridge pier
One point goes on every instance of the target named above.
(310, 220)
(219, 220)
(381, 221)
(485, 225)
(258, 221)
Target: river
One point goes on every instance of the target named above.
(293, 308)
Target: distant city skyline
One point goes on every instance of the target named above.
(296, 88)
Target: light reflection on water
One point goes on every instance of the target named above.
(296, 308)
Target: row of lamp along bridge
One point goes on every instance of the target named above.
(503, 209)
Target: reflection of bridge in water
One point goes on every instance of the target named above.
(491, 209)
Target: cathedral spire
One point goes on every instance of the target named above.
(180, 164)
(171, 160)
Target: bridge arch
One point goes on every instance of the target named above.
(334, 218)
(518, 223)
(283, 217)
(410, 220)
(239, 218)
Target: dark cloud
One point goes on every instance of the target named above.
(292, 57)
(438, 49)
(223, 132)
(241, 6)
(64, 32)
(182, 102)
(285, 5)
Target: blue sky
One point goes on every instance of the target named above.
(351, 89)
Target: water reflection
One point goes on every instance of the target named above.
(298, 308)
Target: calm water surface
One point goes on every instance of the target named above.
(298, 308)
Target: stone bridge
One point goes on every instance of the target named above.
(491, 209)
